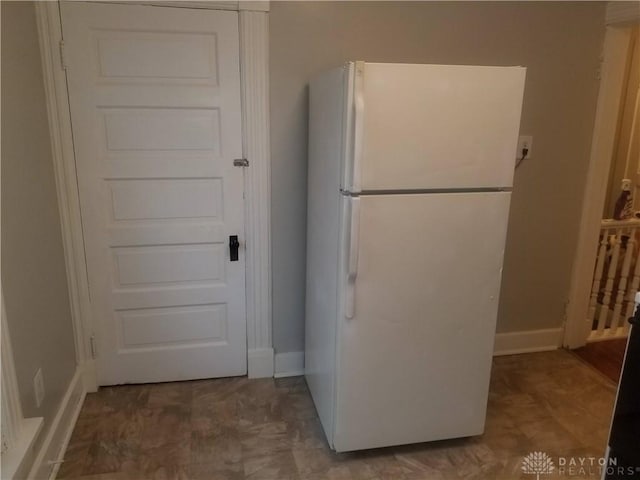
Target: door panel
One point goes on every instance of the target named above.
(414, 361)
(151, 129)
(148, 52)
(155, 107)
(439, 126)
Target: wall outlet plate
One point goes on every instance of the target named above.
(524, 141)
(38, 387)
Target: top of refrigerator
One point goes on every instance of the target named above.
(415, 128)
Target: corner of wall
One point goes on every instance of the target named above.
(289, 364)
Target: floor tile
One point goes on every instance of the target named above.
(222, 446)
(280, 466)
(169, 394)
(268, 429)
(265, 439)
(216, 471)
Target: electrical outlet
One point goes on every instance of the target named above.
(38, 387)
(524, 141)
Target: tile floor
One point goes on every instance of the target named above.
(232, 429)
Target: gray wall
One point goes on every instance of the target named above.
(34, 280)
(559, 43)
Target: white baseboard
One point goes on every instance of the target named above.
(55, 443)
(289, 364)
(512, 343)
(260, 363)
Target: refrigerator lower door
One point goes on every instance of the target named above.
(414, 359)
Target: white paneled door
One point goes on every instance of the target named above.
(155, 109)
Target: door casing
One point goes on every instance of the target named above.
(619, 18)
(254, 48)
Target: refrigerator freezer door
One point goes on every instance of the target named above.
(414, 361)
(435, 126)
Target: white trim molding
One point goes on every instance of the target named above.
(11, 408)
(613, 68)
(254, 5)
(254, 64)
(254, 74)
(289, 364)
(260, 362)
(19, 434)
(237, 5)
(622, 13)
(17, 460)
(55, 83)
(53, 447)
(512, 343)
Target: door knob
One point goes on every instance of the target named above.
(234, 244)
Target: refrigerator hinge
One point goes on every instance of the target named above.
(63, 57)
(240, 162)
(94, 350)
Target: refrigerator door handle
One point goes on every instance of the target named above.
(352, 261)
(358, 126)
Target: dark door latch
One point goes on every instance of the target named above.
(234, 244)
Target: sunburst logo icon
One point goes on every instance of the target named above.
(537, 463)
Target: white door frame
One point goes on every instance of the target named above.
(254, 78)
(620, 16)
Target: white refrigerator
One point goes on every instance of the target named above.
(410, 174)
